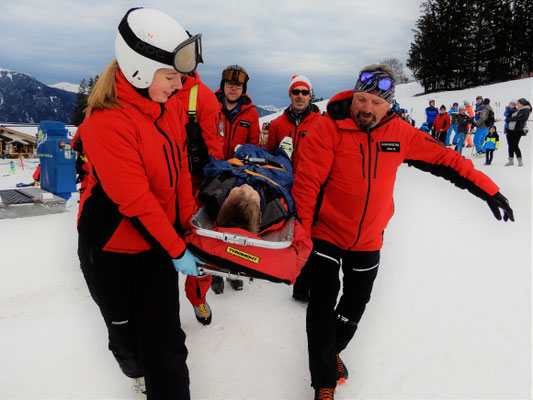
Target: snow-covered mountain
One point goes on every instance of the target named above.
(24, 99)
(449, 318)
(69, 87)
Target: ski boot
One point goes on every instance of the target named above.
(509, 163)
(520, 163)
(203, 313)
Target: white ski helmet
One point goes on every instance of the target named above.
(149, 40)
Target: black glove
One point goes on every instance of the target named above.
(499, 201)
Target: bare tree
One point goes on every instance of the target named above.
(397, 67)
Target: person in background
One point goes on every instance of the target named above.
(509, 110)
(201, 120)
(139, 199)
(441, 124)
(239, 115)
(516, 129)
(463, 125)
(395, 107)
(453, 124)
(469, 111)
(344, 200)
(295, 122)
(491, 143)
(482, 125)
(431, 113)
(240, 126)
(479, 107)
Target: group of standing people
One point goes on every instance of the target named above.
(464, 120)
(145, 158)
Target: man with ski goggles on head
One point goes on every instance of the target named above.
(343, 195)
(288, 131)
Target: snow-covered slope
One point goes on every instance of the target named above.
(450, 315)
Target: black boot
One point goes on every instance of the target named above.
(236, 284)
(342, 372)
(217, 284)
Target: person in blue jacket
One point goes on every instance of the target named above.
(491, 143)
(453, 127)
(479, 107)
(431, 113)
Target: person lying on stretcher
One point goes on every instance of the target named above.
(251, 191)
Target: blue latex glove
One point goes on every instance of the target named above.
(186, 264)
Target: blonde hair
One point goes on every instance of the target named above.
(240, 212)
(104, 94)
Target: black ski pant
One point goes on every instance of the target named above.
(331, 325)
(513, 139)
(489, 155)
(138, 297)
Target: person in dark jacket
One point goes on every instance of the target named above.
(509, 110)
(138, 200)
(463, 124)
(516, 129)
(344, 200)
(431, 113)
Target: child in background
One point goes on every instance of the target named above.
(491, 143)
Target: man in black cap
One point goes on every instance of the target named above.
(344, 201)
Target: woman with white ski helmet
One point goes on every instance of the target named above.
(139, 199)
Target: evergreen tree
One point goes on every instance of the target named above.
(78, 113)
(464, 44)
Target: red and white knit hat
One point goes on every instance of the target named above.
(299, 80)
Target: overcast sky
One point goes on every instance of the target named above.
(328, 41)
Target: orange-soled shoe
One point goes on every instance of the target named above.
(342, 372)
(324, 394)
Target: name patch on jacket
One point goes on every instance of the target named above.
(391, 147)
(245, 124)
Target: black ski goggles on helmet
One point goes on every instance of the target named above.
(185, 57)
(232, 75)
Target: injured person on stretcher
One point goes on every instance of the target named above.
(251, 230)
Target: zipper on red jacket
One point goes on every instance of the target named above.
(363, 163)
(368, 190)
(171, 148)
(376, 162)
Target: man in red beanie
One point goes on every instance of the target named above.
(294, 123)
(343, 195)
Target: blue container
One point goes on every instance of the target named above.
(58, 160)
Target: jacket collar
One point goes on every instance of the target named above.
(127, 93)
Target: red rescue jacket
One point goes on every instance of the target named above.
(139, 188)
(243, 129)
(207, 113)
(343, 186)
(284, 126)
